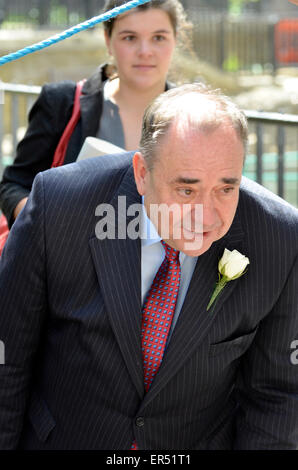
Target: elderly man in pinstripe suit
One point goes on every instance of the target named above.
(72, 288)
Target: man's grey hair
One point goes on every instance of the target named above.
(193, 107)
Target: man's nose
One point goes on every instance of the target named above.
(210, 214)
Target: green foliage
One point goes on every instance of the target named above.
(236, 6)
(231, 64)
(58, 15)
(15, 20)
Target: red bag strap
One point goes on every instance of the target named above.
(60, 151)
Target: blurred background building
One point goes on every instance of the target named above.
(44, 11)
(230, 34)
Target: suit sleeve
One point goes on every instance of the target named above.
(268, 385)
(47, 120)
(22, 311)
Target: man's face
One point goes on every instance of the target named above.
(193, 170)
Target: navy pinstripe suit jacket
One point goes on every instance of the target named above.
(70, 322)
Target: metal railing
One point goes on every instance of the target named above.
(15, 102)
(272, 158)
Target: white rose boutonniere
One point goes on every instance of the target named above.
(231, 266)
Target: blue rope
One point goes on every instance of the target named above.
(71, 31)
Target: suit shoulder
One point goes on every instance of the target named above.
(262, 206)
(102, 173)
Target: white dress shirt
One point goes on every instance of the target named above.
(152, 255)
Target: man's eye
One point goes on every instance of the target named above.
(228, 190)
(185, 192)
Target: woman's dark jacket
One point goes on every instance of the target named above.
(47, 121)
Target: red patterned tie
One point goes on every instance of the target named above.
(157, 314)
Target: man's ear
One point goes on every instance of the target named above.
(140, 172)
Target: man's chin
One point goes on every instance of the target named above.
(195, 247)
(194, 251)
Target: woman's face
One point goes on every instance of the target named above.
(142, 44)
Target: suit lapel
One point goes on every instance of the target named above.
(118, 267)
(194, 321)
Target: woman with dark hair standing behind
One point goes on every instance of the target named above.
(113, 100)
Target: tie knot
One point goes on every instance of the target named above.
(171, 253)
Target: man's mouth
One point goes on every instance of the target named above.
(197, 234)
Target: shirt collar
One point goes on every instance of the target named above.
(149, 234)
